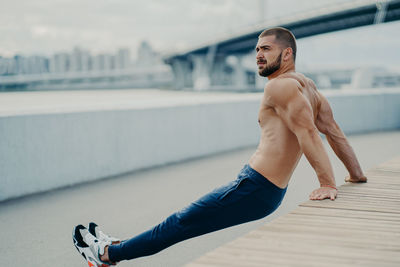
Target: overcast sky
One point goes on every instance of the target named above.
(48, 26)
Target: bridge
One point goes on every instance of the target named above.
(212, 64)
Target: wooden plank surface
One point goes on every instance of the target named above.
(360, 228)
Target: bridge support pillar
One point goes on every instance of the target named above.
(362, 78)
(201, 73)
(239, 78)
(219, 76)
(202, 68)
(182, 71)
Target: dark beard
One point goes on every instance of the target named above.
(271, 68)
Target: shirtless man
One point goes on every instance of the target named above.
(291, 116)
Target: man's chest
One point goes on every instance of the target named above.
(266, 115)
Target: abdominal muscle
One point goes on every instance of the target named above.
(277, 154)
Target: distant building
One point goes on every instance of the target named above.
(7, 66)
(86, 61)
(19, 65)
(59, 63)
(98, 62)
(109, 62)
(35, 65)
(75, 63)
(146, 56)
(123, 59)
(103, 62)
(80, 60)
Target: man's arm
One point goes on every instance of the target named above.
(296, 112)
(327, 125)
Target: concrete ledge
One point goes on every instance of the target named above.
(360, 111)
(43, 150)
(46, 151)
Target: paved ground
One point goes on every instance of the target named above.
(36, 230)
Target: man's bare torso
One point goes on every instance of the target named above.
(279, 152)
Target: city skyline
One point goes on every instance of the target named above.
(79, 60)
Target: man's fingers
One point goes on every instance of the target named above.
(349, 179)
(325, 193)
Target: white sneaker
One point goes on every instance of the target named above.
(89, 246)
(95, 230)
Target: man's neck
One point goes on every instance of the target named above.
(282, 70)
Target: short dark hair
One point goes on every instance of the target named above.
(283, 37)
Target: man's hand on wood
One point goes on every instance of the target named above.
(323, 193)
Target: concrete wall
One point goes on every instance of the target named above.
(362, 111)
(46, 151)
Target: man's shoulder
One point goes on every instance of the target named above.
(282, 87)
(297, 78)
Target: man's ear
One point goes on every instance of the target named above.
(287, 54)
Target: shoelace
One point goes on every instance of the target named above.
(95, 244)
(105, 237)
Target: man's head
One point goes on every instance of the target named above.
(275, 45)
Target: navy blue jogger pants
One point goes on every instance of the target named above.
(250, 197)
